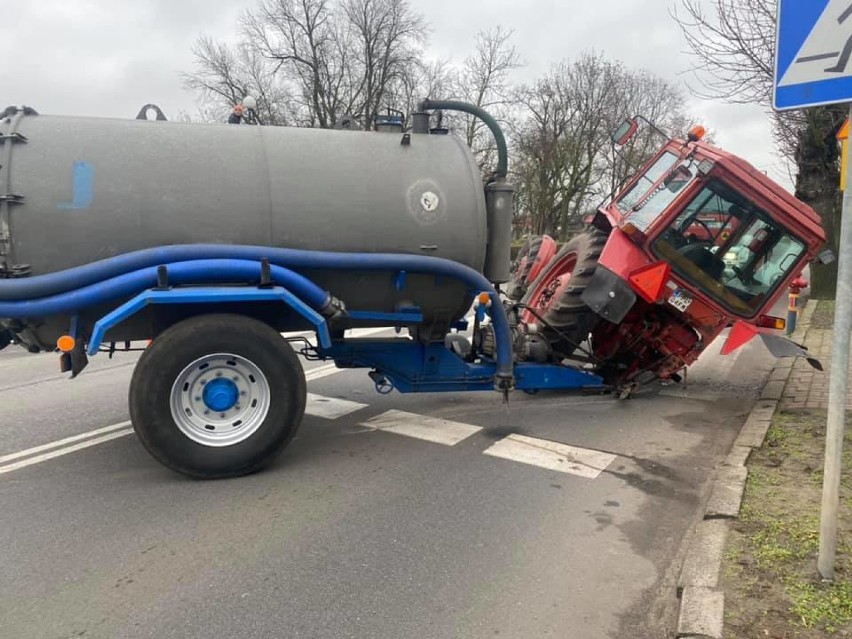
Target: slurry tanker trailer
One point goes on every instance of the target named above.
(210, 241)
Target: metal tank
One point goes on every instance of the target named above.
(74, 190)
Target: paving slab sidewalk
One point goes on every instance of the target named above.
(793, 384)
(807, 387)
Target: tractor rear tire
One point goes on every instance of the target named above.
(554, 299)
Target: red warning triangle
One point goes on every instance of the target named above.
(741, 333)
(649, 281)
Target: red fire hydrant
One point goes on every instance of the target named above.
(796, 287)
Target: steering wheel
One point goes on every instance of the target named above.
(705, 227)
(749, 280)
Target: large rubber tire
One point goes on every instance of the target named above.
(524, 263)
(157, 385)
(556, 293)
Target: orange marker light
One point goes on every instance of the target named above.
(484, 299)
(66, 343)
(696, 133)
(767, 321)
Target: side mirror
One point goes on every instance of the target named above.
(825, 257)
(625, 132)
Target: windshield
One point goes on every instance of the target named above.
(729, 248)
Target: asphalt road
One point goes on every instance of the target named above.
(359, 531)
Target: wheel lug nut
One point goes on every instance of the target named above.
(197, 399)
(242, 393)
(219, 374)
(222, 415)
(207, 412)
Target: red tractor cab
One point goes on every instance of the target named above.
(697, 241)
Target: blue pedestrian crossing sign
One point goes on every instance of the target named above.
(813, 54)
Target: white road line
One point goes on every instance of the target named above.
(432, 429)
(8, 468)
(330, 407)
(352, 333)
(552, 455)
(322, 371)
(61, 442)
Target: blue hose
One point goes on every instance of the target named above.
(83, 286)
(194, 272)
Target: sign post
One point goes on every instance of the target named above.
(813, 66)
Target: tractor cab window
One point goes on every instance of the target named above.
(729, 248)
(648, 179)
(652, 203)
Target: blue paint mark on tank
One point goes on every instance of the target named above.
(83, 188)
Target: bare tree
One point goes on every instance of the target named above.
(309, 48)
(483, 80)
(339, 58)
(225, 75)
(425, 78)
(560, 141)
(565, 161)
(640, 93)
(733, 47)
(388, 39)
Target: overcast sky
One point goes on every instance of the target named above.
(109, 57)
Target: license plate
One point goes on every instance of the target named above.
(680, 300)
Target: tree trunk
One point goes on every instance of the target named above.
(818, 185)
(828, 204)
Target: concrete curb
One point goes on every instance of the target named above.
(702, 601)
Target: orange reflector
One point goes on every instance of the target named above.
(767, 321)
(843, 133)
(649, 281)
(66, 343)
(484, 299)
(696, 133)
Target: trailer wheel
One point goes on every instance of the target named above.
(555, 295)
(535, 253)
(217, 396)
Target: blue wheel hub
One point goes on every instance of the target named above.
(220, 395)
(220, 399)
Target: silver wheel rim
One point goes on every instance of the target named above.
(202, 393)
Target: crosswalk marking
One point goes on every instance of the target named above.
(552, 455)
(520, 448)
(330, 407)
(432, 429)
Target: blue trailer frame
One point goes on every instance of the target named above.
(404, 364)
